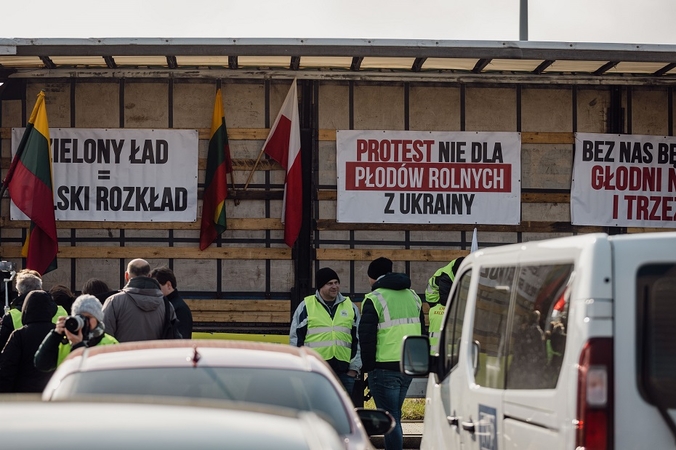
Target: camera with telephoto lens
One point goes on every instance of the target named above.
(75, 323)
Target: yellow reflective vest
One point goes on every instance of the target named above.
(64, 349)
(398, 317)
(436, 315)
(331, 338)
(16, 316)
(432, 291)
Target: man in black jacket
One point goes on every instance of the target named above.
(390, 311)
(165, 276)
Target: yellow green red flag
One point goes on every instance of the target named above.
(219, 164)
(29, 181)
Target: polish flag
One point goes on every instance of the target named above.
(283, 145)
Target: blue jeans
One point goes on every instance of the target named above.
(389, 391)
(348, 382)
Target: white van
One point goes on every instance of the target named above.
(565, 343)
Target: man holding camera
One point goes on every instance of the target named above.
(83, 329)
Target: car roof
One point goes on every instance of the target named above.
(196, 353)
(164, 423)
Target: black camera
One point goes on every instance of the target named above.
(75, 323)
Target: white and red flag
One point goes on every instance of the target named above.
(283, 145)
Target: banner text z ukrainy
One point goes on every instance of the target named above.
(428, 177)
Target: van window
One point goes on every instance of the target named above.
(539, 326)
(454, 320)
(656, 316)
(490, 324)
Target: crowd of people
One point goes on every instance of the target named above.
(42, 327)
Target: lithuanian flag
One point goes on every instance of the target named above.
(219, 165)
(29, 181)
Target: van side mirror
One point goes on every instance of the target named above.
(415, 356)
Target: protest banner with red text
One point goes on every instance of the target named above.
(624, 181)
(428, 177)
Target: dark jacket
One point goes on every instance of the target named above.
(17, 372)
(7, 326)
(368, 326)
(183, 314)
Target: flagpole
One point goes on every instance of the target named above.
(260, 155)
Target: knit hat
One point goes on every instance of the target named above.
(88, 304)
(379, 267)
(325, 275)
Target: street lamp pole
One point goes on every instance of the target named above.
(523, 20)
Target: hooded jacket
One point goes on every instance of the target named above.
(136, 313)
(368, 326)
(17, 372)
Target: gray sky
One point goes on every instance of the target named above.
(613, 21)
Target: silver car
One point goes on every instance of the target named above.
(169, 424)
(240, 371)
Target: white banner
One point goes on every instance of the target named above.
(121, 175)
(624, 181)
(428, 177)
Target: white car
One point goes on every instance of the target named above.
(240, 371)
(169, 425)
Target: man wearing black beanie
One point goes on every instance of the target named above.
(390, 311)
(327, 322)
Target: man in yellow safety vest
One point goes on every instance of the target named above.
(327, 322)
(391, 311)
(436, 294)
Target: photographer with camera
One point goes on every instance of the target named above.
(84, 328)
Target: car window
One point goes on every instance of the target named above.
(656, 314)
(539, 326)
(490, 325)
(305, 391)
(454, 320)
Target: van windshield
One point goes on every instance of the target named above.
(656, 316)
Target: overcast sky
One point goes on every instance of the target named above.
(612, 21)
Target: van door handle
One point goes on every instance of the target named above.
(468, 426)
(453, 421)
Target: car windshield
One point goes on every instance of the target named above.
(306, 391)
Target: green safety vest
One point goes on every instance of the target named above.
(331, 338)
(398, 317)
(64, 349)
(16, 316)
(436, 315)
(432, 291)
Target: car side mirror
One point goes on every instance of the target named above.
(376, 421)
(415, 356)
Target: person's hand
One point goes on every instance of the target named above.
(74, 338)
(60, 325)
(352, 373)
